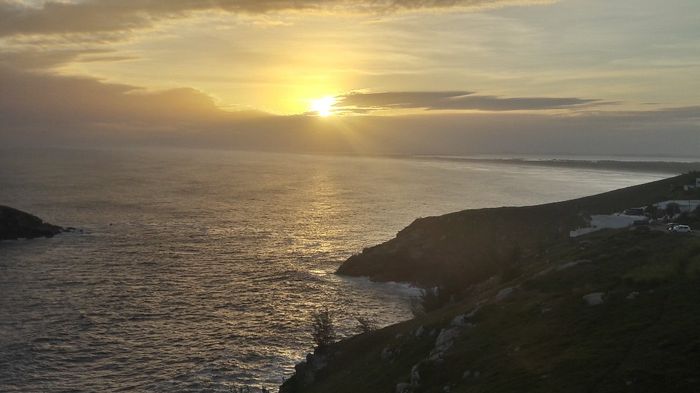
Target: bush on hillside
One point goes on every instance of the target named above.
(322, 328)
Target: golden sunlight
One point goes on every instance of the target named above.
(323, 106)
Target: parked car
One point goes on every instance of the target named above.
(681, 229)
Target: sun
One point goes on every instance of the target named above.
(323, 106)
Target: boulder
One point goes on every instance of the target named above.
(594, 298)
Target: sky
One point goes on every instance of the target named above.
(582, 77)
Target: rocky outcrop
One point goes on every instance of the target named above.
(16, 224)
(306, 371)
(472, 245)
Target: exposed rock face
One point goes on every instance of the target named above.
(444, 342)
(16, 224)
(504, 293)
(594, 299)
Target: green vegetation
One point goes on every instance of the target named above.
(542, 336)
(520, 307)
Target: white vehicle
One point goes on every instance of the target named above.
(681, 229)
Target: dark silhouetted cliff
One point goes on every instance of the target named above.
(16, 224)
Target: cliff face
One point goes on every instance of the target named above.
(471, 245)
(16, 224)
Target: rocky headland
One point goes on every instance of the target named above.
(16, 224)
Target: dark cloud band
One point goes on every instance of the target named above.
(453, 100)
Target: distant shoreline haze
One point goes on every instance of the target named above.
(635, 163)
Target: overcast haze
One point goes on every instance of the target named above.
(590, 77)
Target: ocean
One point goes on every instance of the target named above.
(198, 270)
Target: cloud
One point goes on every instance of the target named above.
(452, 100)
(54, 17)
(33, 59)
(43, 100)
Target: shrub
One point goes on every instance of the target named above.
(322, 328)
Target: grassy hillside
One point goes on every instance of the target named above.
(613, 311)
(16, 224)
(472, 245)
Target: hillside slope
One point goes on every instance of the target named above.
(16, 224)
(472, 245)
(614, 311)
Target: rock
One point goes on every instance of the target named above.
(444, 342)
(419, 332)
(594, 299)
(462, 320)
(572, 264)
(633, 295)
(473, 312)
(543, 272)
(415, 375)
(404, 388)
(300, 367)
(504, 293)
(466, 374)
(16, 224)
(459, 320)
(308, 369)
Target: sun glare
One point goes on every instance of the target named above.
(323, 106)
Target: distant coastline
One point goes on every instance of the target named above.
(637, 165)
